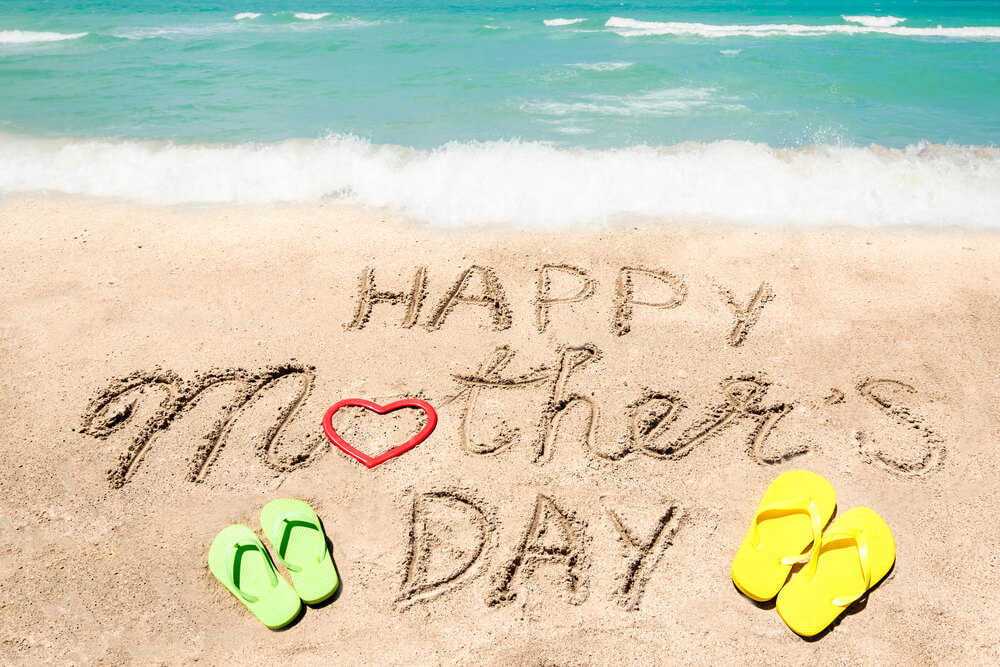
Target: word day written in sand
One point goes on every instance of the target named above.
(517, 408)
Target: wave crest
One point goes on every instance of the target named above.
(558, 22)
(874, 21)
(30, 36)
(533, 184)
(601, 66)
(634, 28)
(667, 102)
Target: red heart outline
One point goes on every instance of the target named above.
(370, 462)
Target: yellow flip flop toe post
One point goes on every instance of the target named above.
(855, 553)
(791, 516)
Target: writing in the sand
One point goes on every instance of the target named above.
(650, 424)
(452, 533)
(479, 289)
(649, 418)
(493, 411)
(452, 538)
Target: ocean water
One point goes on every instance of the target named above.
(548, 114)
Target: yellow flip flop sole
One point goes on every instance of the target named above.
(791, 516)
(854, 554)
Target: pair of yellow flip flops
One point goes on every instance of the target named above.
(242, 564)
(842, 564)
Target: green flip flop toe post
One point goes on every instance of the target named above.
(300, 543)
(240, 562)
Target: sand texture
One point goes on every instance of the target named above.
(611, 407)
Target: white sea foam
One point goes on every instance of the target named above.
(602, 67)
(228, 27)
(634, 28)
(29, 36)
(558, 22)
(246, 15)
(667, 102)
(533, 184)
(731, 52)
(874, 21)
(179, 32)
(310, 17)
(355, 23)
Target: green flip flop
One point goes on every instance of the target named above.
(241, 563)
(300, 543)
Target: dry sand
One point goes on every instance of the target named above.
(165, 372)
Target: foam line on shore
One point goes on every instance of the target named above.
(533, 184)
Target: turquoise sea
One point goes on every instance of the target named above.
(542, 114)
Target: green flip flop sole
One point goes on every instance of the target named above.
(298, 539)
(240, 562)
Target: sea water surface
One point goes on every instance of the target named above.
(545, 114)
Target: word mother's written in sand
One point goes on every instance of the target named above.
(481, 410)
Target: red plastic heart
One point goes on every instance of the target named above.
(369, 461)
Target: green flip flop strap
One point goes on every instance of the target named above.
(241, 546)
(283, 530)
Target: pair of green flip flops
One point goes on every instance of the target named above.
(241, 563)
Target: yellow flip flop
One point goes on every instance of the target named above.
(790, 517)
(855, 553)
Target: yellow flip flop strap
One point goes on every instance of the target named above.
(858, 538)
(774, 510)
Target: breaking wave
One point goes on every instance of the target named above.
(635, 28)
(530, 184)
(29, 36)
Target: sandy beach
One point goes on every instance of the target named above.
(612, 404)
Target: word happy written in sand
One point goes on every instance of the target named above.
(478, 286)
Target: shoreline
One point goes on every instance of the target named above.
(531, 184)
(334, 211)
(861, 354)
